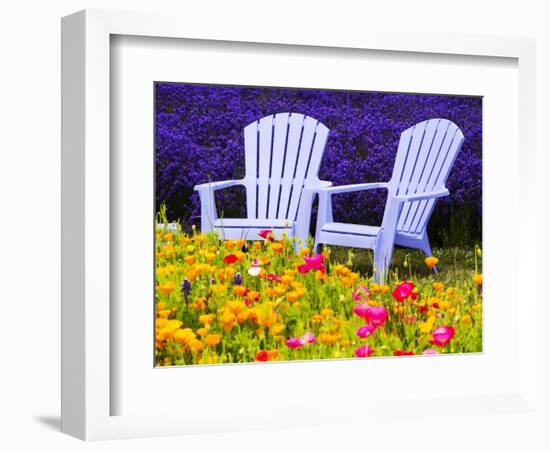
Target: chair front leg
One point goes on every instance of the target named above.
(208, 210)
(324, 215)
(303, 219)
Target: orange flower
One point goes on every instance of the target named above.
(478, 279)
(167, 287)
(431, 261)
(212, 339)
(190, 259)
(240, 290)
(206, 319)
(277, 247)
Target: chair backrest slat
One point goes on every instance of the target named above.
(424, 159)
(283, 154)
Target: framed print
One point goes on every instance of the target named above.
(254, 222)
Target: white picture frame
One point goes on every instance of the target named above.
(86, 215)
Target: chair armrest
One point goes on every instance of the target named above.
(355, 187)
(215, 185)
(423, 196)
(318, 186)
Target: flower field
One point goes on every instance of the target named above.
(238, 301)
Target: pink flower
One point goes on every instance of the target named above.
(267, 235)
(364, 351)
(403, 291)
(361, 310)
(365, 331)
(313, 263)
(442, 335)
(308, 338)
(376, 315)
(294, 342)
(362, 293)
(430, 351)
(272, 277)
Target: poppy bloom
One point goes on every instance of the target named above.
(267, 235)
(376, 315)
(403, 291)
(431, 261)
(272, 277)
(262, 356)
(313, 263)
(365, 331)
(294, 342)
(230, 259)
(403, 353)
(308, 338)
(430, 351)
(364, 351)
(442, 335)
(361, 310)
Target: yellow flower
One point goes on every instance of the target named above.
(276, 328)
(273, 354)
(326, 338)
(320, 275)
(287, 279)
(277, 247)
(242, 316)
(293, 296)
(445, 305)
(210, 257)
(195, 345)
(212, 340)
(253, 296)
(476, 306)
(235, 306)
(466, 319)
(190, 249)
(202, 332)
(184, 336)
(161, 305)
(257, 245)
(229, 244)
(279, 290)
(431, 261)
(228, 319)
(305, 251)
(167, 287)
(218, 288)
(426, 327)
(164, 313)
(438, 287)
(451, 292)
(327, 312)
(206, 319)
(200, 238)
(190, 259)
(239, 290)
(478, 279)
(168, 237)
(317, 318)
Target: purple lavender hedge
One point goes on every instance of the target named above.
(199, 138)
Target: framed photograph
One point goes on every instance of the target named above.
(258, 229)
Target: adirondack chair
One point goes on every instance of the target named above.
(425, 156)
(282, 156)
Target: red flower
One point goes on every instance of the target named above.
(403, 291)
(262, 356)
(230, 259)
(403, 353)
(422, 309)
(267, 235)
(313, 263)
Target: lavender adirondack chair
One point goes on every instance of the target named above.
(283, 153)
(425, 156)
